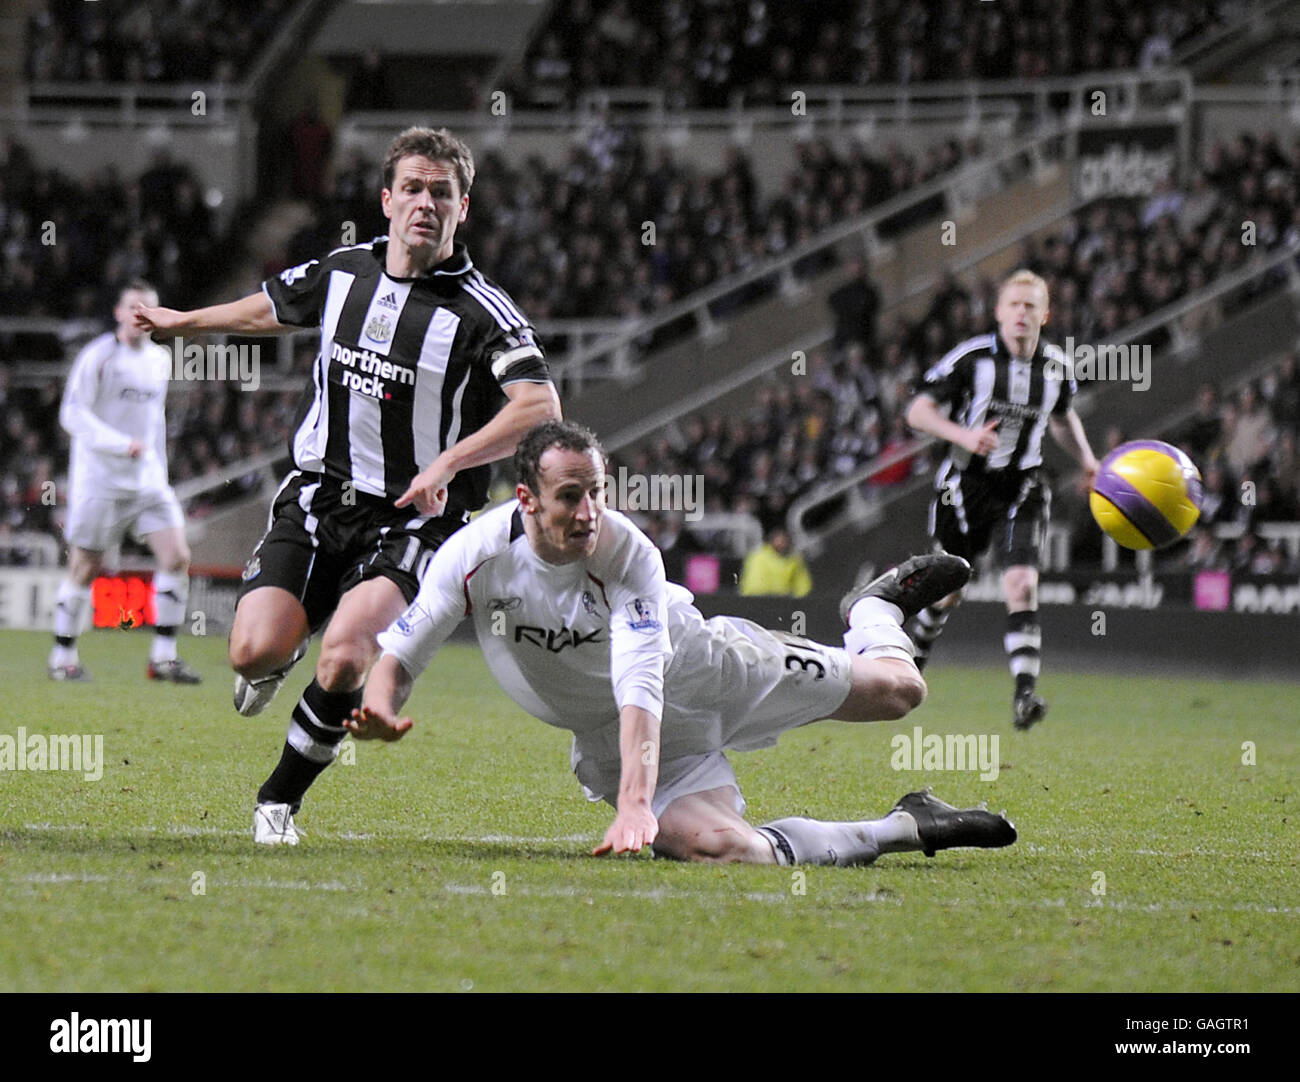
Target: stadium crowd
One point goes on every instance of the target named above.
(702, 54)
(67, 245)
(146, 41)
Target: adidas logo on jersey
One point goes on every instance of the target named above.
(389, 301)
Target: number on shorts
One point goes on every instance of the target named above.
(794, 661)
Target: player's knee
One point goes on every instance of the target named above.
(715, 845)
(179, 564)
(342, 666)
(1020, 586)
(253, 652)
(247, 657)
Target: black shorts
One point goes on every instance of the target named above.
(322, 541)
(1005, 512)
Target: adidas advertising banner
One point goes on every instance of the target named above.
(1125, 161)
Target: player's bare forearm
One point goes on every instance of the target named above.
(388, 685)
(529, 404)
(924, 415)
(387, 688)
(253, 314)
(1068, 432)
(638, 742)
(635, 826)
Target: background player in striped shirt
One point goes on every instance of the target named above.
(114, 409)
(992, 398)
(426, 373)
(580, 627)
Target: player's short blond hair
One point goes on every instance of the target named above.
(1025, 277)
(436, 144)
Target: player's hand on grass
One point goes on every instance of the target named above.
(982, 440)
(428, 491)
(164, 322)
(367, 723)
(632, 830)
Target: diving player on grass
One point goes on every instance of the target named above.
(580, 628)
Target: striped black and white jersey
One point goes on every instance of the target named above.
(979, 381)
(406, 366)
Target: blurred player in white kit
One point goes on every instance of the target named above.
(113, 407)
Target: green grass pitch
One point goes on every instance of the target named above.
(1151, 858)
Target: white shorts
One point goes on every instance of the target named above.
(731, 684)
(100, 522)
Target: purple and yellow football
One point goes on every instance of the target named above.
(1147, 495)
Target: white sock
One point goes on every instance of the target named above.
(876, 630)
(171, 596)
(814, 841)
(71, 606)
(874, 610)
(163, 648)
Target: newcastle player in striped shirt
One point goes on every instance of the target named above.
(403, 414)
(992, 399)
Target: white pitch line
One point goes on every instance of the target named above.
(62, 877)
(346, 835)
(659, 894)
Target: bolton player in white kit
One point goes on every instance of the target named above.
(579, 626)
(113, 407)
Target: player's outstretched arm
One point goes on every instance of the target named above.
(924, 415)
(253, 314)
(635, 825)
(529, 404)
(387, 688)
(1068, 432)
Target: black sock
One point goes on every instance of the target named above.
(314, 736)
(926, 627)
(1023, 642)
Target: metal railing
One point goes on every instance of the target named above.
(831, 108)
(263, 464)
(42, 546)
(1254, 24)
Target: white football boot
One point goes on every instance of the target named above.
(254, 696)
(273, 825)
